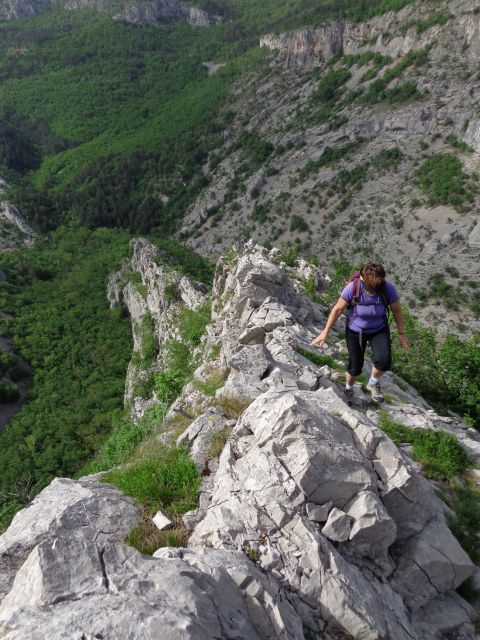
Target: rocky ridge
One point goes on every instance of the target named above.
(325, 209)
(311, 522)
(151, 13)
(154, 13)
(142, 287)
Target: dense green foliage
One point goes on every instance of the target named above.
(327, 93)
(444, 181)
(440, 454)
(78, 349)
(444, 371)
(138, 115)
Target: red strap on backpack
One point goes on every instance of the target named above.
(356, 288)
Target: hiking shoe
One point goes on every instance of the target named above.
(376, 391)
(348, 394)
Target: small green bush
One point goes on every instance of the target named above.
(442, 178)
(232, 407)
(149, 347)
(258, 150)
(297, 223)
(168, 385)
(171, 292)
(146, 538)
(440, 454)
(329, 156)
(217, 441)
(453, 141)
(193, 323)
(388, 159)
(435, 18)
(260, 213)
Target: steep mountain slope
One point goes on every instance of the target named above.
(362, 141)
(312, 523)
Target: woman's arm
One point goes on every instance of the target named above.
(398, 315)
(335, 313)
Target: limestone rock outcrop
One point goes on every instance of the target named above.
(385, 34)
(311, 521)
(153, 295)
(85, 510)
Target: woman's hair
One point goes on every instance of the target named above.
(373, 274)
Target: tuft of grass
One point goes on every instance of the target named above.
(389, 398)
(167, 480)
(218, 439)
(318, 359)
(146, 538)
(362, 378)
(439, 453)
(232, 407)
(211, 384)
(453, 141)
(214, 351)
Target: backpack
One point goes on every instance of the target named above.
(382, 292)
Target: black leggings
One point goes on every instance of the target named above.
(381, 348)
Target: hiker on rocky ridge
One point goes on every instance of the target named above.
(367, 296)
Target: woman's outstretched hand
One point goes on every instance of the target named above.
(320, 340)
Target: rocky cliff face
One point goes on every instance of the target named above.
(155, 13)
(353, 200)
(311, 522)
(14, 230)
(393, 34)
(142, 287)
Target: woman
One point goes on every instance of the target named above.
(367, 322)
